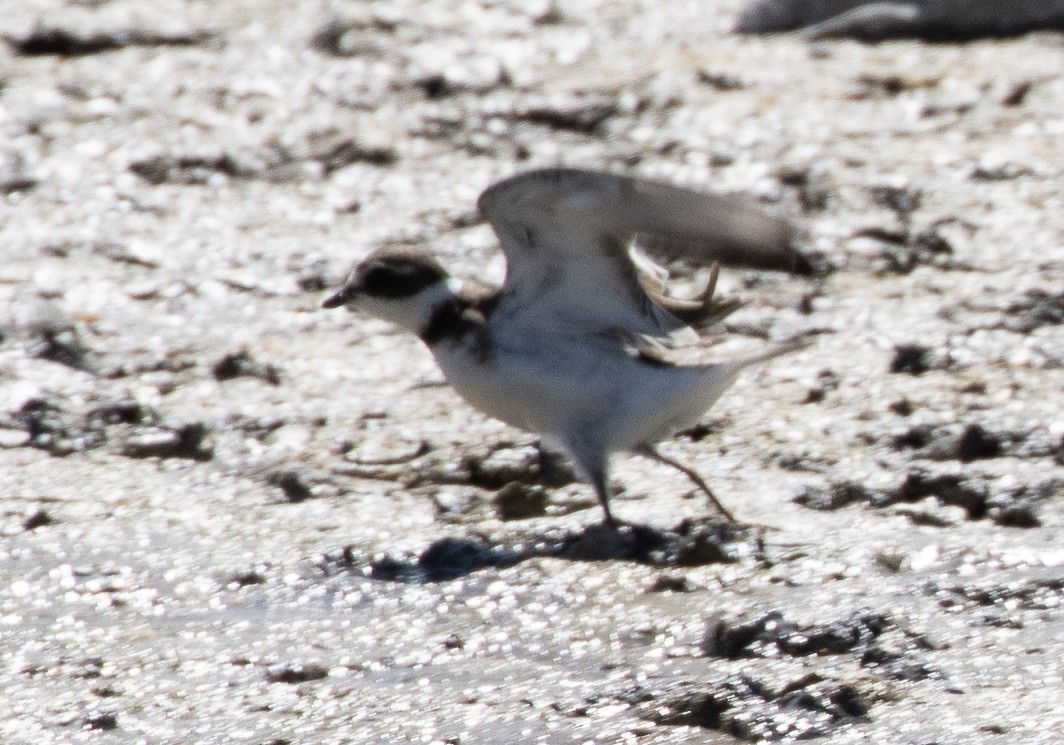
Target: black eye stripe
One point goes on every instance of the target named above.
(397, 279)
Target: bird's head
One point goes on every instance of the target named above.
(399, 284)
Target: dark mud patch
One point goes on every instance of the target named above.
(916, 359)
(241, 364)
(1024, 313)
(753, 711)
(756, 706)
(873, 639)
(294, 673)
(691, 543)
(1012, 603)
(62, 41)
(977, 498)
(136, 430)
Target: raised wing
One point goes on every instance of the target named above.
(567, 234)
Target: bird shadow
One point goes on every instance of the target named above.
(691, 543)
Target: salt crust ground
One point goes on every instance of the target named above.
(209, 488)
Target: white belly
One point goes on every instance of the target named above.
(571, 391)
(524, 388)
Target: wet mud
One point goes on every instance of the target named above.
(227, 515)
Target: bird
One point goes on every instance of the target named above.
(575, 345)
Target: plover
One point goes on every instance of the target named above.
(573, 345)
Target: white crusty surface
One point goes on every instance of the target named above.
(172, 215)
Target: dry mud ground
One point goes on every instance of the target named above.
(229, 516)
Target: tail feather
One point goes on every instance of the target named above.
(792, 345)
(721, 375)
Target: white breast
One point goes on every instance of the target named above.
(579, 391)
(530, 386)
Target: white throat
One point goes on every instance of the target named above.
(412, 313)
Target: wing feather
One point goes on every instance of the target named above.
(566, 235)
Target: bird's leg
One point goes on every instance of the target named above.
(593, 465)
(600, 480)
(651, 452)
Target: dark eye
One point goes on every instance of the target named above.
(378, 280)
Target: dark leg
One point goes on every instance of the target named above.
(650, 452)
(593, 464)
(601, 481)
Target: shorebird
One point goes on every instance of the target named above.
(574, 345)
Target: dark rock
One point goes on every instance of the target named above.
(67, 42)
(915, 359)
(296, 672)
(904, 251)
(1021, 515)
(122, 411)
(992, 170)
(39, 417)
(62, 345)
(189, 441)
(703, 542)
(669, 582)
(827, 381)
(49, 428)
(13, 174)
(435, 86)
(106, 691)
(552, 15)
(975, 443)
(101, 720)
(772, 635)
(122, 254)
(39, 518)
(748, 710)
(350, 151)
(834, 496)
(702, 430)
(734, 640)
(901, 251)
(696, 709)
(876, 85)
(965, 443)
(240, 364)
(947, 488)
(163, 169)
(902, 200)
(341, 38)
(901, 407)
(1017, 93)
(854, 633)
(814, 185)
(246, 578)
(292, 484)
(584, 115)
(930, 243)
(1035, 309)
(720, 80)
(273, 162)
